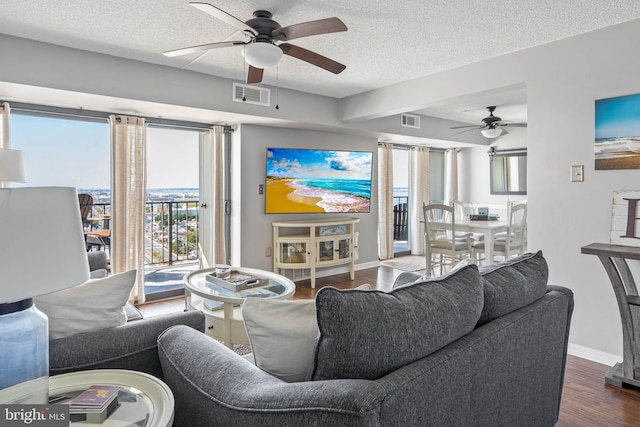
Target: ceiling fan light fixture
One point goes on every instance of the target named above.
(491, 132)
(262, 54)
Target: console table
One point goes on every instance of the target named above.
(614, 259)
(315, 243)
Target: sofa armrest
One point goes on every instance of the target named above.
(211, 382)
(130, 346)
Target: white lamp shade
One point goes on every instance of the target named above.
(42, 246)
(262, 55)
(11, 165)
(491, 132)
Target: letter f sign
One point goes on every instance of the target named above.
(632, 212)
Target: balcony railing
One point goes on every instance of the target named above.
(400, 218)
(171, 232)
(171, 229)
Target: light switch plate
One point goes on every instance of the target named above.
(577, 173)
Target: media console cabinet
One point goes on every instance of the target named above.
(315, 243)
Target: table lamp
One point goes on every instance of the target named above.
(11, 166)
(42, 250)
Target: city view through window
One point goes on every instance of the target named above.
(76, 153)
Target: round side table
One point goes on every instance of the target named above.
(144, 400)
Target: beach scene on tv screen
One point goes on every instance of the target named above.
(304, 180)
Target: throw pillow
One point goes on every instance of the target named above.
(96, 304)
(407, 277)
(512, 284)
(366, 335)
(282, 334)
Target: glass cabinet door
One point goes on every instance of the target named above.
(344, 248)
(325, 251)
(293, 253)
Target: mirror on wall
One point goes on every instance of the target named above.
(508, 171)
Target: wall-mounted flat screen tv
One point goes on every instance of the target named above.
(307, 181)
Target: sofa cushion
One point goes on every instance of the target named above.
(96, 304)
(367, 334)
(512, 284)
(283, 334)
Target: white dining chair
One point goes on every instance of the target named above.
(441, 237)
(512, 243)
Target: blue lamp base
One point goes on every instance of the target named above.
(24, 353)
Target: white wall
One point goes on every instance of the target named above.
(256, 225)
(565, 216)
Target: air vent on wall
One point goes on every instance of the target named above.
(410, 121)
(251, 94)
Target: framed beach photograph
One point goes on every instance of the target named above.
(306, 181)
(617, 125)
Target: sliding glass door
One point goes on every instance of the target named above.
(401, 221)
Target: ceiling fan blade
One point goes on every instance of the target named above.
(514, 125)
(311, 28)
(475, 128)
(466, 126)
(254, 75)
(223, 16)
(312, 58)
(201, 48)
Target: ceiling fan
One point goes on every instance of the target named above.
(264, 48)
(492, 126)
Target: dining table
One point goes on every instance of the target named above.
(487, 227)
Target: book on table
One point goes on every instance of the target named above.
(94, 399)
(94, 404)
(235, 282)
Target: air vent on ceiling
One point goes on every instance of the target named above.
(410, 121)
(251, 94)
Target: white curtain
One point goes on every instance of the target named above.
(451, 176)
(418, 193)
(128, 195)
(212, 213)
(385, 201)
(4, 125)
(4, 132)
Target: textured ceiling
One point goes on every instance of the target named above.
(387, 41)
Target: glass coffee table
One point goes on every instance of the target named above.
(222, 307)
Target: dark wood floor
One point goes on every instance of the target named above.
(586, 400)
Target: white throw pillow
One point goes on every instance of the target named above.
(283, 335)
(93, 305)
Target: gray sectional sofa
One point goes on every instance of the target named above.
(473, 348)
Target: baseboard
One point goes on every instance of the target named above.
(593, 355)
(327, 271)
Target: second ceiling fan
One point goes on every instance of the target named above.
(492, 126)
(265, 48)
